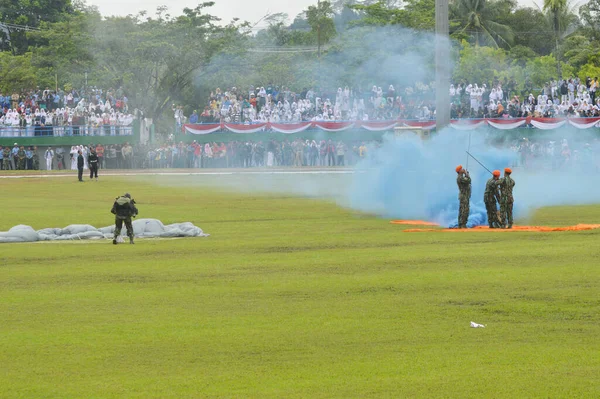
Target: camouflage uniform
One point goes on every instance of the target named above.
(123, 209)
(491, 197)
(464, 187)
(6, 161)
(36, 160)
(506, 200)
(21, 157)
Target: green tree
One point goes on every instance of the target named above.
(17, 72)
(561, 17)
(541, 70)
(576, 50)
(478, 18)
(157, 60)
(530, 28)
(590, 18)
(521, 54)
(416, 14)
(320, 19)
(480, 64)
(28, 13)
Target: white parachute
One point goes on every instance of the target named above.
(142, 228)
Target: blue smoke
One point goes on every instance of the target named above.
(407, 178)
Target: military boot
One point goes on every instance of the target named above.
(115, 240)
(131, 240)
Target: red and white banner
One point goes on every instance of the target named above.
(334, 126)
(239, 128)
(203, 129)
(289, 128)
(427, 125)
(380, 126)
(548, 123)
(467, 124)
(376, 126)
(507, 124)
(583, 123)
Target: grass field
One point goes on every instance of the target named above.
(289, 298)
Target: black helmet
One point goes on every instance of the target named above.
(127, 195)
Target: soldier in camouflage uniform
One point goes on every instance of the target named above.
(124, 209)
(36, 159)
(21, 156)
(491, 197)
(463, 180)
(6, 161)
(506, 199)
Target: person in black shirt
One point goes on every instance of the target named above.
(93, 163)
(80, 166)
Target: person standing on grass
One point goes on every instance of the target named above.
(491, 197)
(93, 163)
(80, 166)
(124, 209)
(49, 156)
(21, 158)
(463, 180)
(506, 199)
(100, 153)
(36, 158)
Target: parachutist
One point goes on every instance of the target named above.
(124, 209)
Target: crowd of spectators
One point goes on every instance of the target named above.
(538, 154)
(90, 111)
(247, 154)
(563, 98)
(555, 155)
(569, 97)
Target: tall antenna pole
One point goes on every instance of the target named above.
(319, 27)
(442, 65)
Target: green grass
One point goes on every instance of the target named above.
(289, 298)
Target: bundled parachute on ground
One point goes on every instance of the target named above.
(143, 228)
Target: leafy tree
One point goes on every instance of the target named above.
(157, 59)
(478, 18)
(30, 14)
(589, 70)
(530, 28)
(590, 18)
(479, 64)
(521, 54)
(16, 72)
(541, 70)
(62, 49)
(416, 14)
(320, 19)
(576, 50)
(561, 17)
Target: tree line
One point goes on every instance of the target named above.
(162, 59)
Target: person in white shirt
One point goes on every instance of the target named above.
(571, 90)
(74, 154)
(49, 156)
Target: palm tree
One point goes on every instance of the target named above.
(477, 17)
(561, 17)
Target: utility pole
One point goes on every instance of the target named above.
(319, 27)
(319, 41)
(442, 65)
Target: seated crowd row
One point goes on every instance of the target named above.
(569, 97)
(50, 113)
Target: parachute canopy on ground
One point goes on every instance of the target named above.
(143, 228)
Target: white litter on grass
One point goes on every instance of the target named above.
(142, 228)
(476, 325)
